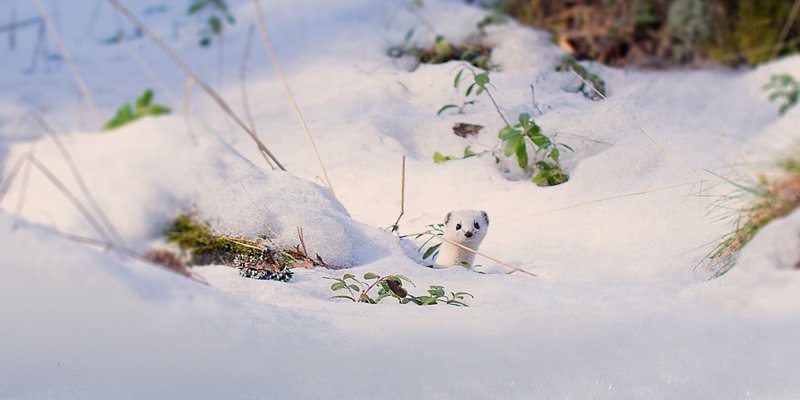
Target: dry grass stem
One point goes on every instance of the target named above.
(84, 89)
(273, 57)
(203, 85)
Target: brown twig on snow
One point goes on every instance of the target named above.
(482, 254)
(273, 57)
(203, 85)
(396, 226)
(84, 89)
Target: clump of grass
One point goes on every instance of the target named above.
(254, 259)
(771, 199)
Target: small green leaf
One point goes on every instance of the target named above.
(482, 79)
(370, 275)
(144, 100)
(554, 154)
(522, 156)
(438, 158)
(445, 108)
(429, 252)
(458, 78)
(469, 89)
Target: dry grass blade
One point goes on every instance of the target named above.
(87, 95)
(187, 115)
(786, 28)
(76, 173)
(26, 175)
(273, 57)
(11, 177)
(484, 255)
(203, 85)
(72, 198)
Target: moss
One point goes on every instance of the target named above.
(202, 245)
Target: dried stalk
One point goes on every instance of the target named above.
(76, 173)
(203, 85)
(273, 57)
(87, 95)
(72, 198)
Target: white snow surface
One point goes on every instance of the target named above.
(620, 310)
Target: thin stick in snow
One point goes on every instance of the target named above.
(243, 80)
(87, 95)
(72, 198)
(273, 57)
(203, 85)
(11, 177)
(26, 176)
(76, 173)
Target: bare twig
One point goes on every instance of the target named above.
(11, 177)
(203, 85)
(72, 198)
(396, 226)
(273, 57)
(459, 245)
(76, 173)
(26, 175)
(243, 81)
(87, 95)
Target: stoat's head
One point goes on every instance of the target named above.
(466, 226)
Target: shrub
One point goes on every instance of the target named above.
(218, 11)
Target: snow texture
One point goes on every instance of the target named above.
(619, 311)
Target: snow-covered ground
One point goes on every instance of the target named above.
(619, 309)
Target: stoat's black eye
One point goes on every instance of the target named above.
(458, 227)
(477, 226)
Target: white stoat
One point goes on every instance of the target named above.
(465, 227)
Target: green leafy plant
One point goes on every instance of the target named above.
(526, 135)
(143, 108)
(219, 13)
(362, 291)
(596, 90)
(785, 87)
(524, 138)
(434, 231)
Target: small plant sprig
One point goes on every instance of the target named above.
(359, 291)
(786, 87)
(524, 137)
(439, 158)
(467, 101)
(570, 64)
(434, 231)
(144, 108)
(219, 12)
(525, 133)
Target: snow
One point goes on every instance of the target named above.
(619, 309)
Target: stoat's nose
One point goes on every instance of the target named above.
(468, 234)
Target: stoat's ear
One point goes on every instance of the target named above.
(447, 218)
(485, 217)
